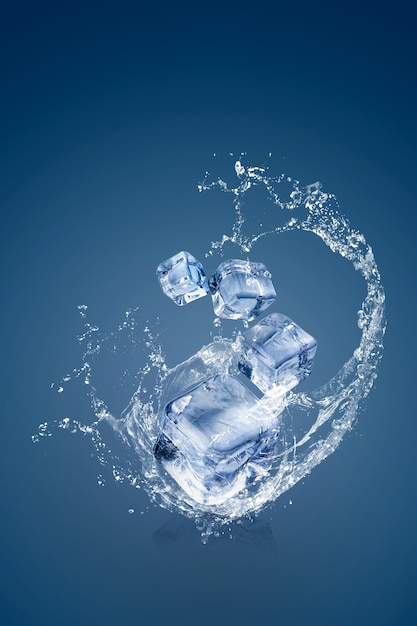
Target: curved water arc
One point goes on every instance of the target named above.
(341, 395)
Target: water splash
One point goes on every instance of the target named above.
(312, 425)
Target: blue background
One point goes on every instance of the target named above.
(110, 115)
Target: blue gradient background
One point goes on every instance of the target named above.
(110, 114)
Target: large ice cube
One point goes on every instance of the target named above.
(212, 442)
(241, 290)
(182, 278)
(277, 352)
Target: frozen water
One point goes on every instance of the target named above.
(277, 352)
(241, 290)
(182, 278)
(311, 424)
(213, 442)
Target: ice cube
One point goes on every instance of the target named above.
(213, 443)
(241, 290)
(182, 278)
(277, 352)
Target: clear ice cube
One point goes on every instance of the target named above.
(182, 278)
(241, 290)
(212, 441)
(277, 352)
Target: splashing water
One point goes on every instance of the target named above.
(311, 425)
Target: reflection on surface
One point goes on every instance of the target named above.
(254, 533)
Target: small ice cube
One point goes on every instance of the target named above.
(241, 290)
(213, 443)
(182, 278)
(277, 352)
